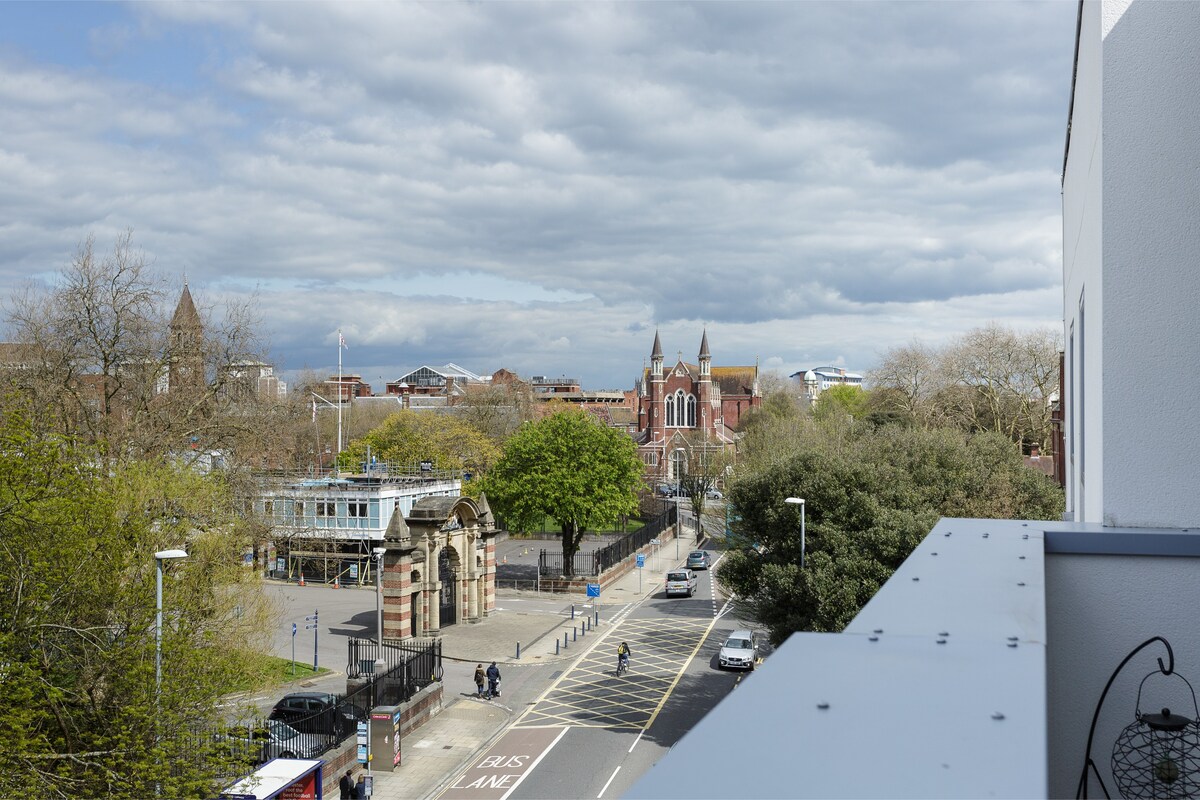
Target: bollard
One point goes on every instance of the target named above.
(582, 629)
(564, 639)
(572, 611)
(597, 617)
(556, 647)
(574, 632)
(518, 651)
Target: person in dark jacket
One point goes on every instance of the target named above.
(493, 679)
(346, 786)
(480, 679)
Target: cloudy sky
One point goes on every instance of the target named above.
(541, 186)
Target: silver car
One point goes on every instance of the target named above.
(740, 651)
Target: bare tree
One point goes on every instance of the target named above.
(105, 361)
(991, 379)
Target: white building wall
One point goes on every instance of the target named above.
(1131, 207)
(1098, 609)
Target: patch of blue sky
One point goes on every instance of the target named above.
(109, 39)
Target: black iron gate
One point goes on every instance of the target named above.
(447, 611)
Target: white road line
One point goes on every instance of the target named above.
(635, 741)
(610, 780)
(536, 761)
(725, 608)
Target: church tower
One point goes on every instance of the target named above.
(185, 359)
(657, 388)
(704, 386)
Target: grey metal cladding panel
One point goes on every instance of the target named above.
(906, 717)
(966, 584)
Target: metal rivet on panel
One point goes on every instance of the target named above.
(916, 579)
(1012, 644)
(873, 638)
(941, 641)
(823, 706)
(1020, 583)
(997, 716)
(878, 630)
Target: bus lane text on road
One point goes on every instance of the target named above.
(506, 763)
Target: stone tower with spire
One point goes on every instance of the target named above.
(185, 356)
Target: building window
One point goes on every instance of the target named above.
(354, 509)
(326, 508)
(681, 410)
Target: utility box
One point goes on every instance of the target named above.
(385, 738)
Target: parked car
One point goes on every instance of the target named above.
(681, 582)
(697, 559)
(713, 493)
(740, 651)
(668, 490)
(318, 712)
(254, 745)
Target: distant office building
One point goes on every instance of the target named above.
(818, 379)
(446, 380)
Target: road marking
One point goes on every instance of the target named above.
(635, 741)
(610, 780)
(505, 764)
(679, 675)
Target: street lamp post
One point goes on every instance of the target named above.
(378, 553)
(159, 558)
(800, 502)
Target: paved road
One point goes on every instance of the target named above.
(592, 733)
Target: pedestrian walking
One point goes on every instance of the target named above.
(493, 679)
(346, 786)
(480, 679)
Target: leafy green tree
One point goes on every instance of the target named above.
(871, 496)
(409, 437)
(80, 715)
(842, 399)
(569, 467)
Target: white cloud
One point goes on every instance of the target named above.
(539, 186)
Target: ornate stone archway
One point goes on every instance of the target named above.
(441, 556)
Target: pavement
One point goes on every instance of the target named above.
(432, 756)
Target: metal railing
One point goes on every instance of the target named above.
(397, 671)
(596, 562)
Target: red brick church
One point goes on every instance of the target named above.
(689, 402)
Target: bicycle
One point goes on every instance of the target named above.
(622, 665)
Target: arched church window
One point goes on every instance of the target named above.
(691, 411)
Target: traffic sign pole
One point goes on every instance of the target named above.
(293, 649)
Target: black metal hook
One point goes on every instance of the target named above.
(1165, 669)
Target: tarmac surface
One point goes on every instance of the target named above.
(433, 755)
(526, 629)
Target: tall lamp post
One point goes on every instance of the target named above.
(799, 501)
(378, 553)
(159, 558)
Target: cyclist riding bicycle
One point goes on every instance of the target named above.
(622, 657)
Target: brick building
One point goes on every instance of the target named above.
(689, 401)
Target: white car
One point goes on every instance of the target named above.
(681, 582)
(740, 651)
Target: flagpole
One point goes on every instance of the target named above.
(340, 398)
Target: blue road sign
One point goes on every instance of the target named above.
(293, 629)
(593, 590)
(641, 560)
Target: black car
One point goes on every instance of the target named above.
(318, 712)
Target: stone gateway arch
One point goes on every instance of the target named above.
(439, 567)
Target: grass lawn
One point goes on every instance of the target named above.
(269, 671)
